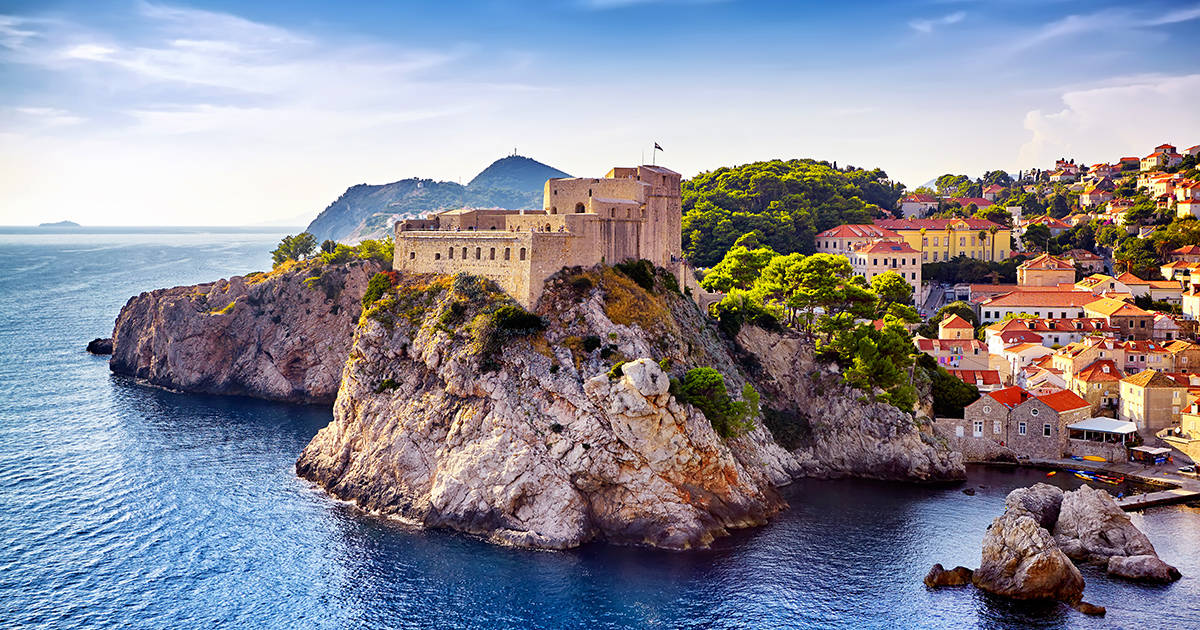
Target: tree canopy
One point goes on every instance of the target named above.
(785, 202)
(297, 247)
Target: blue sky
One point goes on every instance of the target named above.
(136, 112)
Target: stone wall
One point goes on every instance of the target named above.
(1035, 414)
(1110, 452)
(974, 449)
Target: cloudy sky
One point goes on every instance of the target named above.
(134, 112)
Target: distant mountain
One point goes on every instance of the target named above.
(60, 224)
(363, 211)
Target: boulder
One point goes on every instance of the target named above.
(1021, 561)
(1144, 568)
(939, 576)
(100, 346)
(1041, 500)
(1091, 527)
(1091, 609)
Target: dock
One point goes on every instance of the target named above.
(1175, 487)
(1161, 497)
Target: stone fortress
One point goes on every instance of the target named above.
(630, 213)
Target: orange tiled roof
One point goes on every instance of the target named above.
(936, 224)
(1111, 307)
(977, 377)
(886, 247)
(1150, 378)
(858, 231)
(1022, 298)
(1009, 396)
(1066, 400)
(954, 321)
(1096, 372)
(1046, 261)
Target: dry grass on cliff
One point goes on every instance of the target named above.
(628, 304)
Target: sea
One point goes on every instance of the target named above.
(126, 506)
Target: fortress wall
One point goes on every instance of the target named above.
(441, 252)
(562, 195)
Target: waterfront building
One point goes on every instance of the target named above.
(1152, 401)
(1038, 426)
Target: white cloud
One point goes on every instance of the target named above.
(927, 25)
(1094, 124)
(1106, 21)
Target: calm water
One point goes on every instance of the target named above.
(124, 506)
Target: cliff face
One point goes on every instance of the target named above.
(280, 336)
(527, 437)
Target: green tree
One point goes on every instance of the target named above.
(328, 246)
(704, 388)
(1137, 256)
(296, 247)
(740, 267)
(1037, 237)
(890, 287)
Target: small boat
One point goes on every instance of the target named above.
(1052, 473)
(1084, 476)
(1094, 458)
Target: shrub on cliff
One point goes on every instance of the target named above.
(297, 247)
(513, 320)
(704, 388)
(640, 271)
(380, 283)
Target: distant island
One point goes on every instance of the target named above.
(59, 224)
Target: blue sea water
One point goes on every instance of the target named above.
(123, 506)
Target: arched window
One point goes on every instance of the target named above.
(478, 252)
(547, 227)
(628, 213)
(450, 254)
(464, 253)
(579, 208)
(612, 212)
(522, 253)
(507, 253)
(554, 209)
(492, 254)
(412, 255)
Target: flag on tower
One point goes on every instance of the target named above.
(657, 147)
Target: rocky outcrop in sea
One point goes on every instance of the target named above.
(1028, 551)
(280, 336)
(570, 431)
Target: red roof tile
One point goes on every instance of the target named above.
(935, 224)
(1095, 373)
(1009, 396)
(858, 231)
(1065, 400)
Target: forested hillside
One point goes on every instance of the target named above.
(787, 202)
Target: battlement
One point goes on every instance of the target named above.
(632, 213)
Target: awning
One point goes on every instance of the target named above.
(1104, 425)
(1151, 450)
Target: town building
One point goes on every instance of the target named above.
(1130, 321)
(1038, 426)
(1082, 258)
(1098, 384)
(1045, 271)
(983, 380)
(1048, 332)
(962, 354)
(1187, 253)
(1191, 303)
(1146, 355)
(918, 205)
(844, 239)
(1186, 438)
(939, 240)
(631, 213)
(880, 257)
(1152, 401)
(1157, 290)
(955, 327)
(1053, 304)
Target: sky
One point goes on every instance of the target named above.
(137, 112)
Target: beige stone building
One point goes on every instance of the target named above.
(1045, 271)
(631, 213)
(880, 257)
(1152, 401)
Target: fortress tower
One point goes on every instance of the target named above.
(631, 213)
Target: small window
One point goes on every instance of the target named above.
(978, 429)
(492, 254)
(996, 426)
(437, 256)
(450, 254)
(412, 255)
(464, 253)
(1020, 428)
(987, 409)
(507, 253)
(478, 252)
(1046, 430)
(1035, 411)
(579, 208)
(522, 254)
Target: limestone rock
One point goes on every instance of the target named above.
(1091, 527)
(100, 346)
(843, 434)
(1143, 568)
(1091, 609)
(939, 576)
(1043, 501)
(285, 337)
(1020, 559)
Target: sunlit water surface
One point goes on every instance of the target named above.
(126, 506)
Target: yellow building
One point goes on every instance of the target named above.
(942, 239)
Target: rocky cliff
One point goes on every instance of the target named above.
(280, 336)
(457, 410)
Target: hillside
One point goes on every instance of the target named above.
(363, 210)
